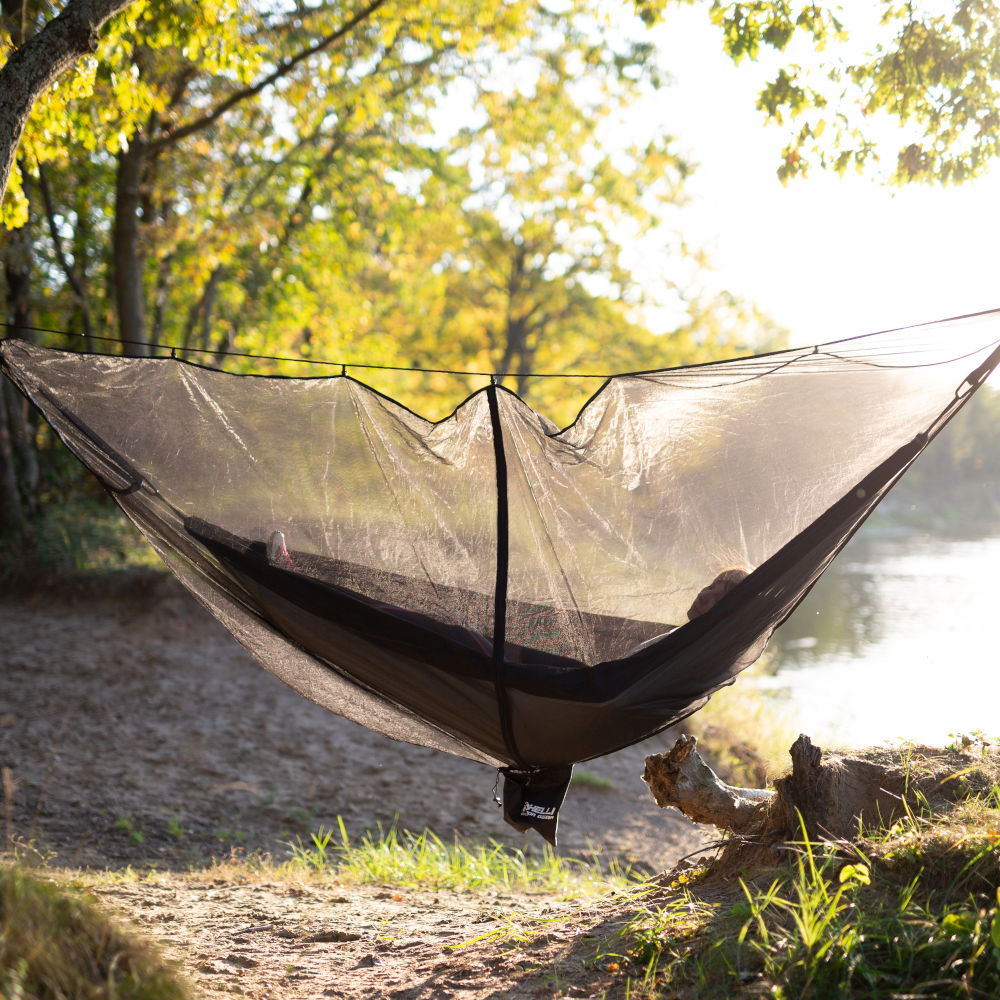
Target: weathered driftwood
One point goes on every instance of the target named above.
(828, 796)
(682, 779)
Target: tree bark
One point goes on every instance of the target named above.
(681, 778)
(12, 519)
(129, 259)
(18, 463)
(39, 61)
(19, 255)
(831, 797)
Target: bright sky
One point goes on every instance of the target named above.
(829, 256)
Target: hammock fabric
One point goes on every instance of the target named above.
(489, 585)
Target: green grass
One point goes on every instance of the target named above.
(905, 912)
(55, 944)
(131, 827)
(587, 779)
(912, 911)
(833, 928)
(422, 860)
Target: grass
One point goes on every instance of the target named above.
(909, 911)
(905, 912)
(130, 826)
(55, 944)
(587, 779)
(833, 928)
(398, 857)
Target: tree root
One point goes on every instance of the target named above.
(828, 796)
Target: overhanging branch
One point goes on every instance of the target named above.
(36, 64)
(283, 69)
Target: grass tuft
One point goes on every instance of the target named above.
(423, 860)
(833, 929)
(587, 779)
(55, 943)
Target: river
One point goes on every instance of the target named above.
(898, 640)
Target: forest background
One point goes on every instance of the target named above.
(438, 186)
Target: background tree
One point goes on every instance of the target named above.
(283, 178)
(909, 91)
(541, 269)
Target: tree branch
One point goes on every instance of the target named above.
(35, 65)
(68, 270)
(680, 778)
(283, 69)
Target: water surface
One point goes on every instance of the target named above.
(899, 639)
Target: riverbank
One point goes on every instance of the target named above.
(909, 911)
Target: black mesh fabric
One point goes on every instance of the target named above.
(487, 585)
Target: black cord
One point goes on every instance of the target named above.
(174, 351)
(342, 365)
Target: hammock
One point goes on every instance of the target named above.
(489, 585)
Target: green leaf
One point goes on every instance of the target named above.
(857, 874)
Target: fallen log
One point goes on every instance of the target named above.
(836, 797)
(681, 778)
(829, 796)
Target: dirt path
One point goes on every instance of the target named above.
(304, 941)
(138, 733)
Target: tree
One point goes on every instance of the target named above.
(37, 61)
(923, 94)
(280, 183)
(220, 243)
(555, 200)
(550, 205)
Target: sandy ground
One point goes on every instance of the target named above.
(302, 941)
(139, 734)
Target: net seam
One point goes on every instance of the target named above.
(500, 585)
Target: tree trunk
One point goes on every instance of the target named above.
(128, 256)
(836, 797)
(18, 269)
(71, 271)
(82, 237)
(18, 462)
(39, 61)
(12, 519)
(200, 314)
(161, 299)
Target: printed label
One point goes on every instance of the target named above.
(531, 811)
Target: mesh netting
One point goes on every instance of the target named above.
(485, 585)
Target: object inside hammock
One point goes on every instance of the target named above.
(489, 585)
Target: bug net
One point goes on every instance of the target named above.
(489, 585)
